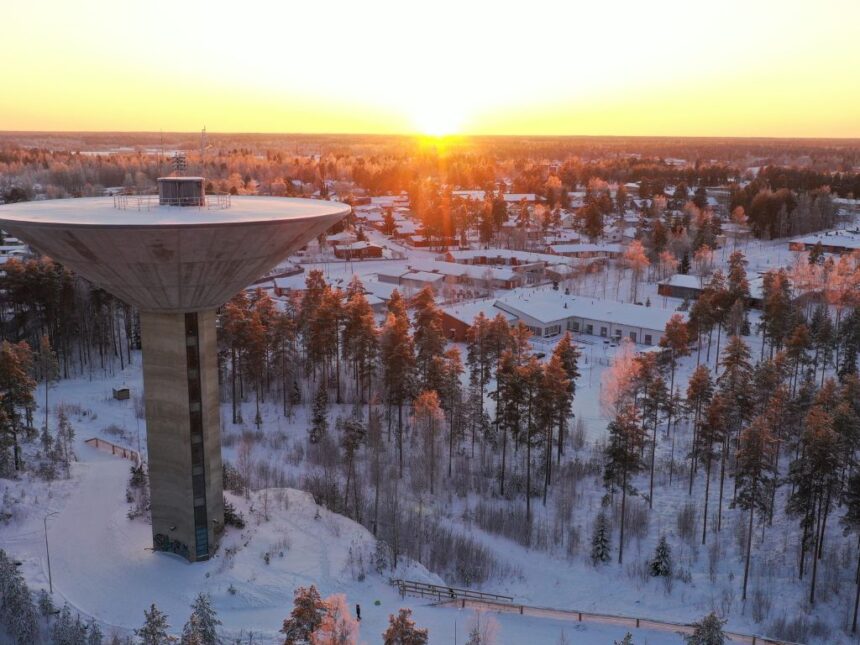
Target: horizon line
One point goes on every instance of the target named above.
(461, 135)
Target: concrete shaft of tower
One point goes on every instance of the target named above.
(176, 264)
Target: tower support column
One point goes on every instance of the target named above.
(183, 431)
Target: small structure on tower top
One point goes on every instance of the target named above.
(181, 191)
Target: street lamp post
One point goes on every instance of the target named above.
(48, 551)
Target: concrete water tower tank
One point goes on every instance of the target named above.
(176, 257)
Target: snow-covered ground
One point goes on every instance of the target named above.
(102, 563)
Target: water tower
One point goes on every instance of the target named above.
(176, 257)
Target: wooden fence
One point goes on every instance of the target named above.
(443, 593)
(112, 448)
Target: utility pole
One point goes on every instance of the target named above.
(47, 550)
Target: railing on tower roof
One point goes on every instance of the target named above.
(218, 201)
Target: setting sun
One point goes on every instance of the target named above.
(437, 120)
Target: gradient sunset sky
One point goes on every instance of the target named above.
(658, 67)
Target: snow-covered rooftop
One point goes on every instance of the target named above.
(683, 280)
(548, 307)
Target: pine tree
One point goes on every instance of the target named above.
(627, 640)
(402, 630)
(354, 433)
(700, 389)
(623, 459)
(568, 354)
(661, 563)
(708, 631)
(18, 613)
(202, 625)
(652, 401)
(851, 522)
(429, 337)
(306, 617)
(154, 630)
(712, 432)
(600, 547)
(49, 370)
(360, 340)
(65, 438)
(397, 353)
(429, 416)
(319, 417)
(94, 633)
(46, 604)
(814, 475)
(16, 393)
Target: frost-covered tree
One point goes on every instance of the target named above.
(661, 563)
(68, 631)
(708, 631)
(94, 633)
(600, 546)
(18, 612)
(337, 627)
(305, 618)
(202, 625)
(402, 630)
(627, 640)
(154, 629)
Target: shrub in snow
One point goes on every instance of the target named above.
(231, 517)
(483, 629)
(46, 605)
(402, 630)
(600, 540)
(708, 631)
(661, 565)
(137, 492)
(627, 640)
(233, 480)
(154, 630)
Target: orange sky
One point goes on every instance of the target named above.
(664, 67)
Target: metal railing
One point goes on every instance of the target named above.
(443, 593)
(606, 619)
(218, 201)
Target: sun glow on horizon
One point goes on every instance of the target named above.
(437, 120)
(389, 67)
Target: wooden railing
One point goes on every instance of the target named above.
(443, 593)
(114, 449)
(590, 617)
